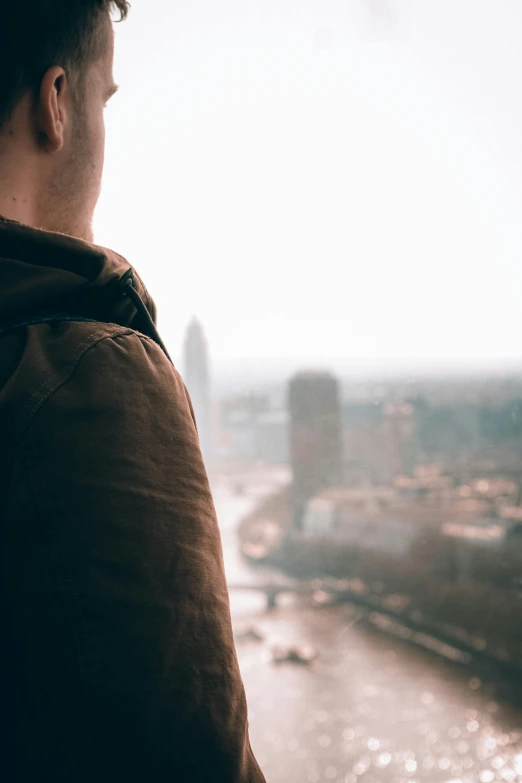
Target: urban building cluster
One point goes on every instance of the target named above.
(373, 462)
(369, 478)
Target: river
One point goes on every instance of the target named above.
(371, 707)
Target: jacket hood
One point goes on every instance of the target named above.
(44, 271)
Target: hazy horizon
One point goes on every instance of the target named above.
(247, 373)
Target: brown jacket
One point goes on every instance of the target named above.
(117, 660)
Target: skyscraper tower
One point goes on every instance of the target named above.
(315, 437)
(197, 380)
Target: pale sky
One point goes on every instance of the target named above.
(338, 178)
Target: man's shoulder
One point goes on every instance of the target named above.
(117, 393)
(77, 356)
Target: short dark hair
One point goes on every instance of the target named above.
(37, 34)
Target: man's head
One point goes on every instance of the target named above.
(56, 76)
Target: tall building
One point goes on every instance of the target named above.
(197, 379)
(315, 437)
(398, 440)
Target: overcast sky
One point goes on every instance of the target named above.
(323, 177)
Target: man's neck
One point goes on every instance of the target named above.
(15, 201)
(12, 209)
(17, 185)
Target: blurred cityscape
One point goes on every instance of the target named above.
(415, 488)
(395, 504)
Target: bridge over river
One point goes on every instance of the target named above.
(273, 589)
(372, 707)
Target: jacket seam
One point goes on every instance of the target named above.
(67, 370)
(72, 358)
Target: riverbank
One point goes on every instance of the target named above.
(478, 609)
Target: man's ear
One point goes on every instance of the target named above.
(52, 109)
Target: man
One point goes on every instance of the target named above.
(117, 660)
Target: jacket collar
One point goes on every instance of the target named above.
(44, 270)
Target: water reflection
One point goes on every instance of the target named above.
(371, 707)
